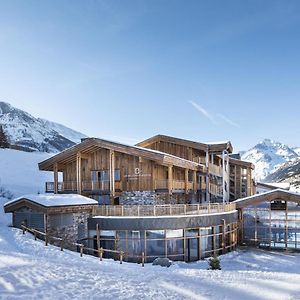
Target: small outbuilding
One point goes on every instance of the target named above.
(63, 216)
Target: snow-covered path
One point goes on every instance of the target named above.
(29, 270)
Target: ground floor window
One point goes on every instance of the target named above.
(188, 244)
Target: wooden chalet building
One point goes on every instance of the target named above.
(159, 170)
(114, 173)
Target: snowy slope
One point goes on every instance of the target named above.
(35, 134)
(268, 156)
(19, 171)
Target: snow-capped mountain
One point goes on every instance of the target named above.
(268, 156)
(35, 134)
(289, 172)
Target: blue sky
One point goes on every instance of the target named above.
(127, 70)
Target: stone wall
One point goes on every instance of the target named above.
(152, 198)
(66, 226)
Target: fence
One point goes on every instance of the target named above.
(100, 251)
(161, 210)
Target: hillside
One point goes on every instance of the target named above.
(35, 134)
(19, 171)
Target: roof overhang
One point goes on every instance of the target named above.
(90, 145)
(211, 147)
(23, 201)
(275, 195)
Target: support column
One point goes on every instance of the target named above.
(78, 173)
(170, 179)
(186, 180)
(195, 181)
(112, 174)
(55, 169)
(207, 177)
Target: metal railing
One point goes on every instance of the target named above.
(161, 210)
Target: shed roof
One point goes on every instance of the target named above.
(52, 200)
(273, 195)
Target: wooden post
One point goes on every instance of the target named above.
(61, 245)
(23, 227)
(98, 238)
(78, 172)
(207, 176)
(46, 240)
(112, 174)
(224, 235)
(101, 254)
(121, 257)
(195, 181)
(143, 259)
(81, 250)
(186, 180)
(170, 179)
(34, 232)
(55, 169)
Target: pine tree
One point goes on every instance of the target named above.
(3, 139)
(214, 263)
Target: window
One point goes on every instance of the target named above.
(103, 175)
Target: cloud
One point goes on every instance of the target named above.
(230, 122)
(203, 111)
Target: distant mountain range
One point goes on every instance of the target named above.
(25, 132)
(275, 162)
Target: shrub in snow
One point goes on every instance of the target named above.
(162, 261)
(4, 193)
(214, 263)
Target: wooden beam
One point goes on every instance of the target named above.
(186, 180)
(170, 179)
(195, 181)
(78, 172)
(55, 178)
(112, 173)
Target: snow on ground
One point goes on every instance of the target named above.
(19, 171)
(29, 270)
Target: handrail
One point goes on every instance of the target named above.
(161, 210)
(81, 246)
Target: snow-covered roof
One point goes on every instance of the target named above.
(268, 196)
(50, 200)
(274, 185)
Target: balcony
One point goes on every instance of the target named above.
(161, 210)
(129, 185)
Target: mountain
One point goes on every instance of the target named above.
(289, 172)
(28, 133)
(268, 156)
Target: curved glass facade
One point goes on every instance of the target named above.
(188, 244)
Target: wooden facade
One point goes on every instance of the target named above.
(161, 164)
(241, 182)
(100, 167)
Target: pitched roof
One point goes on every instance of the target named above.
(92, 144)
(273, 195)
(54, 200)
(210, 146)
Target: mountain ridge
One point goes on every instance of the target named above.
(29, 133)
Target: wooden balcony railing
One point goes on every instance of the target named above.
(216, 170)
(145, 184)
(161, 210)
